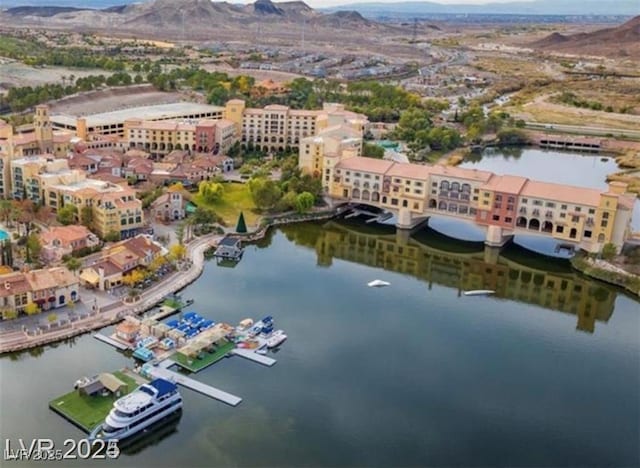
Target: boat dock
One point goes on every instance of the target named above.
(208, 390)
(253, 356)
(111, 341)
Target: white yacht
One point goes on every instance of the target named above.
(141, 408)
(276, 339)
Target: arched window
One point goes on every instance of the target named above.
(444, 185)
(534, 224)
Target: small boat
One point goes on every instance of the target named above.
(276, 339)
(262, 351)
(478, 292)
(378, 283)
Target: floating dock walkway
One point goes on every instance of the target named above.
(252, 356)
(208, 390)
(111, 341)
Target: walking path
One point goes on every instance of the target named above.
(17, 338)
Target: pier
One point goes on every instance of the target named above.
(111, 341)
(253, 356)
(207, 390)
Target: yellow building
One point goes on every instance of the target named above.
(276, 128)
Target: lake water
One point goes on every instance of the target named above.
(545, 373)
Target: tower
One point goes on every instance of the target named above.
(42, 127)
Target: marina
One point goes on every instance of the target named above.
(190, 342)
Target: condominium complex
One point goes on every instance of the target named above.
(50, 182)
(501, 204)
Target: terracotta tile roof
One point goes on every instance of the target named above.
(141, 245)
(13, 283)
(461, 173)
(65, 234)
(110, 268)
(561, 193)
(375, 166)
(410, 171)
(40, 279)
(505, 184)
(63, 276)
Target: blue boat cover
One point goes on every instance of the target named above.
(163, 386)
(173, 323)
(189, 315)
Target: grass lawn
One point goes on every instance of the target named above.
(88, 411)
(194, 365)
(236, 198)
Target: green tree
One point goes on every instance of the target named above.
(609, 251)
(86, 216)
(33, 247)
(371, 150)
(210, 192)
(264, 192)
(112, 236)
(9, 314)
(31, 308)
(73, 264)
(67, 214)
(241, 227)
(304, 202)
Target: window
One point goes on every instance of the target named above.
(498, 197)
(587, 234)
(394, 201)
(434, 184)
(496, 218)
(563, 215)
(485, 202)
(497, 205)
(509, 207)
(578, 209)
(407, 182)
(575, 219)
(604, 223)
(550, 205)
(475, 198)
(524, 201)
(537, 202)
(605, 215)
(416, 205)
(592, 211)
(563, 207)
(508, 220)
(559, 229)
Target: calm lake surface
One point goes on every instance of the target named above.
(545, 373)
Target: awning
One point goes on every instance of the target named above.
(90, 276)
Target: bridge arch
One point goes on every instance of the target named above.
(547, 226)
(534, 224)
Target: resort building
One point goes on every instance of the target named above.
(36, 138)
(47, 288)
(87, 127)
(162, 137)
(502, 205)
(278, 128)
(59, 241)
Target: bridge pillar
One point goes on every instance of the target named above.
(405, 219)
(402, 236)
(496, 237)
(491, 254)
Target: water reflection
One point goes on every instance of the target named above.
(514, 273)
(153, 435)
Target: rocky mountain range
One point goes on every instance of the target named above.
(192, 18)
(620, 41)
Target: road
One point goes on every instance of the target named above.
(583, 130)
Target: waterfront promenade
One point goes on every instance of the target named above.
(14, 338)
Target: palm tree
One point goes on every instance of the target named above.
(73, 264)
